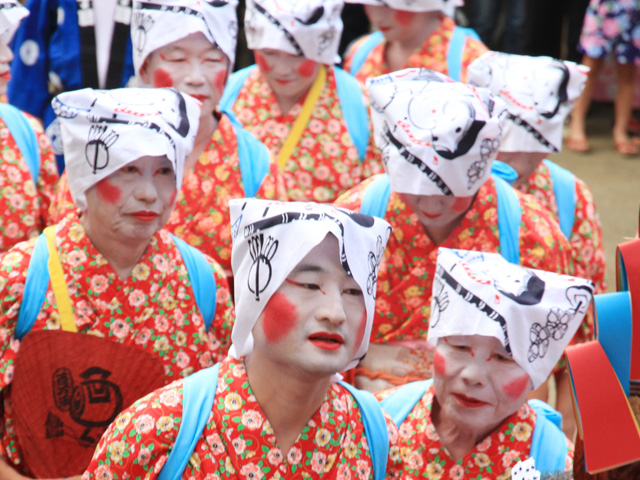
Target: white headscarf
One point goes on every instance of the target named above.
(436, 136)
(158, 23)
(11, 14)
(103, 130)
(533, 313)
(271, 238)
(539, 93)
(308, 28)
(446, 6)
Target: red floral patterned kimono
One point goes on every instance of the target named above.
(201, 214)
(153, 309)
(405, 278)
(325, 161)
(238, 441)
(24, 205)
(587, 249)
(422, 455)
(432, 55)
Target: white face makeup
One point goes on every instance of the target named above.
(477, 383)
(315, 322)
(289, 76)
(192, 65)
(6, 56)
(134, 202)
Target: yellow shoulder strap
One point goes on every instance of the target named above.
(58, 284)
(303, 119)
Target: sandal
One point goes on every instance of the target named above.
(578, 145)
(626, 147)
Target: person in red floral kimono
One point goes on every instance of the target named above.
(498, 330)
(105, 306)
(28, 171)
(310, 114)
(413, 34)
(305, 279)
(539, 93)
(227, 161)
(438, 139)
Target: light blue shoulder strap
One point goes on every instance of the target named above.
(375, 429)
(253, 155)
(456, 50)
(509, 218)
(548, 444)
(354, 110)
(234, 85)
(35, 288)
(504, 171)
(198, 395)
(363, 52)
(400, 403)
(564, 188)
(376, 197)
(24, 136)
(202, 280)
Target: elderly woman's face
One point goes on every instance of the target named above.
(287, 75)
(315, 321)
(192, 65)
(135, 201)
(477, 384)
(437, 210)
(396, 25)
(6, 55)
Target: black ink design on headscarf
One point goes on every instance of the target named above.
(519, 122)
(100, 139)
(531, 294)
(142, 23)
(314, 18)
(478, 302)
(275, 22)
(262, 253)
(412, 159)
(469, 137)
(562, 90)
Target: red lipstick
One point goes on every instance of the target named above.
(145, 216)
(326, 341)
(469, 402)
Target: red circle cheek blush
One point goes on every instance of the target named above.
(439, 364)
(307, 68)
(280, 317)
(108, 192)
(162, 79)
(515, 388)
(262, 63)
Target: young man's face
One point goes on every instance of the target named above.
(192, 65)
(315, 322)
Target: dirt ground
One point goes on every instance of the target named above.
(614, 180)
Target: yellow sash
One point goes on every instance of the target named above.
(303, 119)
(58, 284)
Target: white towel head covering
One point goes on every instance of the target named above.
(271, 238)
(104, 130)
(436, 136)
(533, 313)
(158, 23)
(11, 14)
(307, 28)
(539, 93)
(446, 6)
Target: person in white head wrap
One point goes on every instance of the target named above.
(305, 278)
(125, 296)
(438, 139)
(499, 330)
(539, 93)
(190, 45)
(27, 169)
(413, 33)
(310, 114)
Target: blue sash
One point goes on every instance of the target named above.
(24, 136)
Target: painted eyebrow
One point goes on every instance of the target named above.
(307, 267)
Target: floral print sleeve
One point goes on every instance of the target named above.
(237, 441)
(24, 204)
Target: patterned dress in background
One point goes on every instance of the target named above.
(24, 205)
(403, 303)
(238, 442)
(612, 26)
(432, 55)
(153, 309)
(201, 214)
(422, 455)
(587, 249)
(325, 162)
